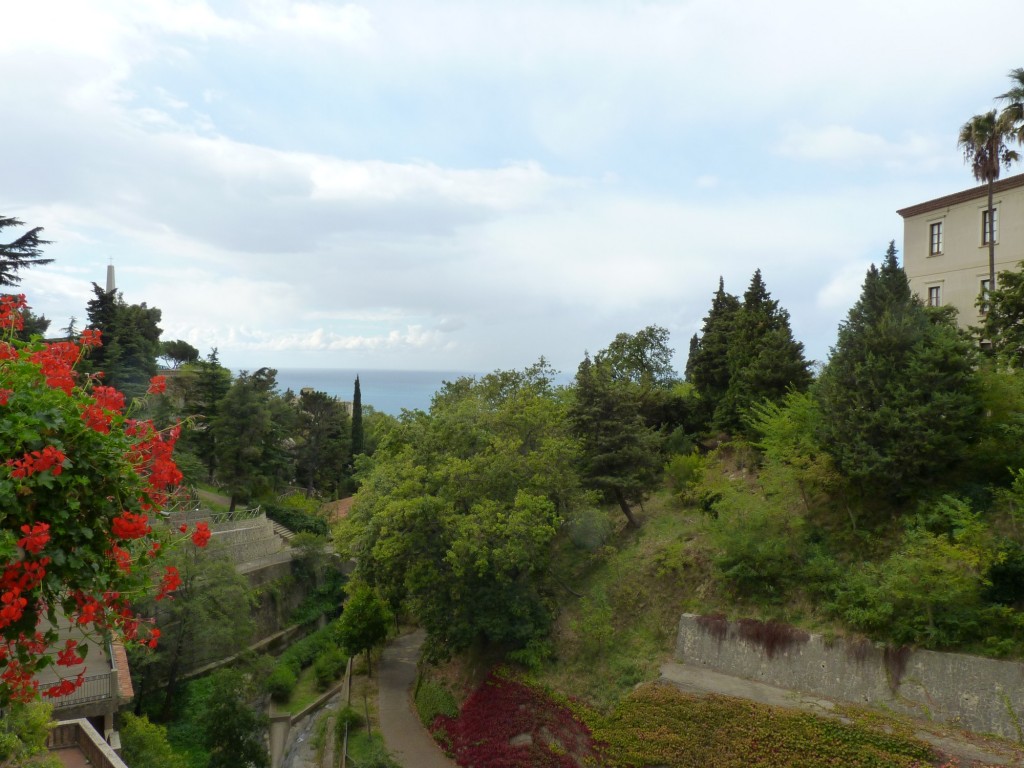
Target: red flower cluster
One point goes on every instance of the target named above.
(35, 537)
(95, 469)
(170, 582)
(49, 458)
(69, 656)
(57, 362)
(157, 385)
(152, 456)
(129, 525)
(10, 311)
(202, 534)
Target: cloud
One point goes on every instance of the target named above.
(845, 144)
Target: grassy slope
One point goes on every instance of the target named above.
(620, 624)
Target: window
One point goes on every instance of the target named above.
(984, 226)
(935, 244)
(934, 295)
(985, 287)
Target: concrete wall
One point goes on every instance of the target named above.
(981, 695)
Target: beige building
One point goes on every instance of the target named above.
(945, 244)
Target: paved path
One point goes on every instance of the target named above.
(406, 738)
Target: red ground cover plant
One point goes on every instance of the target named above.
(80, 482)
(507, 723)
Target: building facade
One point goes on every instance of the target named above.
(945, 245)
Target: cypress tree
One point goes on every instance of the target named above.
(898, 396)
(358, 439)
(707, 367)
(764, 361)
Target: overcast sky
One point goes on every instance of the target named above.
(471, 185)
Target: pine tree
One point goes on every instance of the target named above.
(764, 361)
(358, 439)
(620, 452)
(23, 252)
(898, 395)
(708, 366)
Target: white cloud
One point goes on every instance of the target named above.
(845, 144)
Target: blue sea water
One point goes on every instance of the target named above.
(387, 391)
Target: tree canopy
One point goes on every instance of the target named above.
(23, 252)
(898, 396)
(458, 508)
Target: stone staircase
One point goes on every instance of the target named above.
(247, 536)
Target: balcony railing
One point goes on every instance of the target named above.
(79, 734)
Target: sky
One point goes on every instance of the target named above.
(473, 185)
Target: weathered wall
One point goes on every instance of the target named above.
(982, 695)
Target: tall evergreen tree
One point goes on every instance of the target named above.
(620, 452)
(249, 436)
(764, 360)
(708, 365)
(323, 452)
(898, 396)
(202, 386)
(24, 252)
(358, 438)
(131, 341)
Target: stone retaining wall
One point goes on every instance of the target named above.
(978, 694)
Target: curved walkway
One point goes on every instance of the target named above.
(406, 738)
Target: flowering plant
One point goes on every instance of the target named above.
(80, 483)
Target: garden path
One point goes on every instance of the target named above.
(406, 738)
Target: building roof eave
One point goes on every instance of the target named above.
(963, 196)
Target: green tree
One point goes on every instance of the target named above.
(707, 366)
(763, 359)
(233, 727)
(131, 341)
(209, 618)
(202, 386)
(929, 592)
(898, 397)
(145, 743)
(23, 731)
(32, 325)
(983, 141)
(457, 510)
(322, 456)
(1003, 322)
(619, 451)
(364, 622)
(358, 438)
(1013, 105)
(249, 434)
(21, 253)
(178, 353)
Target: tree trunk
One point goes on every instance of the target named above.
(624, 505)
(991, 242)
(172, 675)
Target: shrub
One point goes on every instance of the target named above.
(297, 520)
(683, 472)
(328, 667)
(433, 699)
(281, 682)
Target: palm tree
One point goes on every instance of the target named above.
(983, 140)
(1013, 105)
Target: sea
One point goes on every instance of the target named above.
(388, 391)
